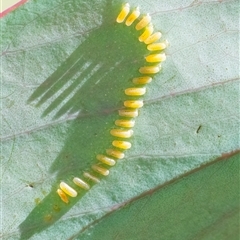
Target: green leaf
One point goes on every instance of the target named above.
(193, 207)
(65, 66)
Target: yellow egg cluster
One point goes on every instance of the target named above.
(129, 111)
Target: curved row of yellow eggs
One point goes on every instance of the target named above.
(130, 110)
(148, 37)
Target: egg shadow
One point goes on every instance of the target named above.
(89, 85)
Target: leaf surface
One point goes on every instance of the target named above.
(65, 66)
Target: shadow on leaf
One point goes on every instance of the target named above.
(90, 85)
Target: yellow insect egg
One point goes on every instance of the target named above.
(133, 103)
(142, 80)
(158, 46)
(115, 153)
(150, 69)
(160, 57)
(82, 184)
(121, 133)
(91, 177)
(68, 190)
(62, 195)
(121, 144)
(135, 91)
(143, 22)
(133, 16)
(125, 123)
(101, 170)
(148, 31)
(128, 112)
(153, 38)
(123, 14)
(106, 160)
